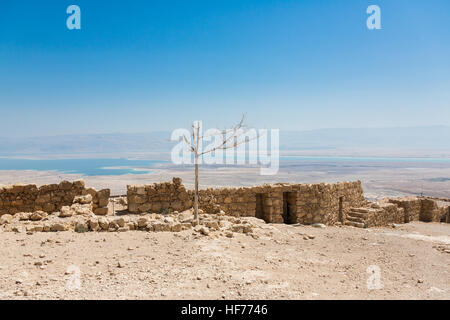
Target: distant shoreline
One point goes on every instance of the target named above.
(388, 178)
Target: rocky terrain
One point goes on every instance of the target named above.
(78, 218)
(93, 247)
(231, 258)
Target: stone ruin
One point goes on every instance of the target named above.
(167, 206)
(52, 197)
(278, 203)
(29, 203)
(326, 203)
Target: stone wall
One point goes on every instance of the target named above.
(447, 219)
(277, 203)
(173, 196)
(430, 211)
(420, 209)
(158, 197)
(438, 211)
(308, 203)
(412, 207)
(321, 203)
(100, 200)
(443, 214)
(49, 198)
(233, 201)
(385, 214)
(285, 202)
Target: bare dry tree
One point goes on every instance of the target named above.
(230, 138)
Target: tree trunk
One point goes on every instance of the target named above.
(196, 142)
(196, 190)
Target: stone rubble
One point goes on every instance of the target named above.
(52, 198)
(153, 222)
(167, 207)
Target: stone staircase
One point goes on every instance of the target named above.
(358, 217)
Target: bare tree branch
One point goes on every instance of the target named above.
(188, 143)
(230, 139)
(224, 145)
(239, 125)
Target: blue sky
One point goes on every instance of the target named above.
(138, 66)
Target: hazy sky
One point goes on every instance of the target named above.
(139, 66)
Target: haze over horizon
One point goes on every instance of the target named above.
(372, 141)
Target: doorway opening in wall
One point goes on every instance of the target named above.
(289, 207)
(259, 206)
(341, 210)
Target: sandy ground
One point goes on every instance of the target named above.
(407, 262)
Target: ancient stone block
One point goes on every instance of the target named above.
(65, 185)
(86, 199)
(101, 211)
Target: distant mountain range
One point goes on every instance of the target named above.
(408, 138)
(433, 137)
